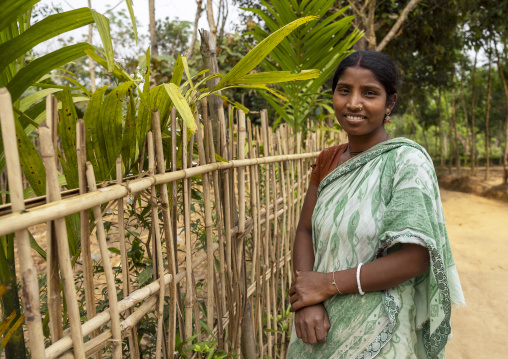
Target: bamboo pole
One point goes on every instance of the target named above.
(61, 244)
(275, 248)
(126, 285)
(227, 223)
(84, 217)
(209, 142)
(188, 248)
(267, 252)
(168, 232)
(28, 274)
(108, 271)
(158, 265)
(52, 273)
(208, 227)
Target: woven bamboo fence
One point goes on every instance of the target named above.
(224, 283)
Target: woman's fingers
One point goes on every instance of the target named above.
(321, 334)
(310, 333)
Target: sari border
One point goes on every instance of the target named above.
(436, 341)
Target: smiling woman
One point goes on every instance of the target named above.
(375, 276)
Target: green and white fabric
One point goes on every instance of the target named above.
(365, 208)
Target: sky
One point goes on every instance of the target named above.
(183, 9)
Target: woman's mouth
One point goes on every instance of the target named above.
(355, 117)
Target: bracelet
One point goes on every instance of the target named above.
(335, 283)
(358, 279)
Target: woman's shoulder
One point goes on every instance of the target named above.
(331, 151)
(411, 151)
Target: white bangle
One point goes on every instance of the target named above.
(358, 279)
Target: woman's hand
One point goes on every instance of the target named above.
(310, 288)
(312, 324)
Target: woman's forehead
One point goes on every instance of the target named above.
(359, 75)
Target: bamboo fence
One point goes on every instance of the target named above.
(225, 284)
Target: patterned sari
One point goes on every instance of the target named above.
(365, 208)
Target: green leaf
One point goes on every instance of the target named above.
(118, 72)
(258, 53)
(220, 159)
(102, 23)
(181, 105)
(31, 163)
(145, 275)
(114, 250)
(29, 100)
(45, 29)
(67, 131)
(12, 9)
(133, 19)
(276, 77)
(37, 68)
(35, 246)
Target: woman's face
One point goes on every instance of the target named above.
(359, 101)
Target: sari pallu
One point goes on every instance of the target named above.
(365, 208)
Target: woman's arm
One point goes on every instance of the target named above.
(386, 272)
(311, 322)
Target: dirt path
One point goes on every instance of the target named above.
(478, 233)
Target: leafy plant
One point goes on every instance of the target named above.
(320, 44)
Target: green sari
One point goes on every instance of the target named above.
(365, 208)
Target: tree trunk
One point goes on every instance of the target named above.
(505, 87)
(154, 50)
(195, 29)
(441, 132)
(454, 124)
(209, 52)
(211, 22)
(487, 119)
(90, 61)
(473, 131)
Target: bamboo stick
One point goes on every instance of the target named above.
(61, 244)
(126, 285)
(84, 217)
(52, 273)
(188, 248)
(110, 280)
(28, 274)
(227, 223)
(208, 227)
(158, 265)
(220, 222)
(166, 222)
(259, 319)
(267, 252)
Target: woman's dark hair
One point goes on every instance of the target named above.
(381, 65)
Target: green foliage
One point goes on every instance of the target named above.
(320, 44)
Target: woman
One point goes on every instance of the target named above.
(375, 276)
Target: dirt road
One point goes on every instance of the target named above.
(478, 231)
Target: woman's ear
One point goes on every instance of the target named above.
(391, 105)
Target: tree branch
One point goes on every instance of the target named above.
(398, 24)
(195, 30)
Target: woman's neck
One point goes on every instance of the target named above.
(358, 144)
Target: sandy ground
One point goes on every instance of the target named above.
(478, 233)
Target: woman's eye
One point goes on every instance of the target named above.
(342, 91)
(370, 93)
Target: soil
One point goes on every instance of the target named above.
(479, 241)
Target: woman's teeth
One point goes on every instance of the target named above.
(355, 118)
